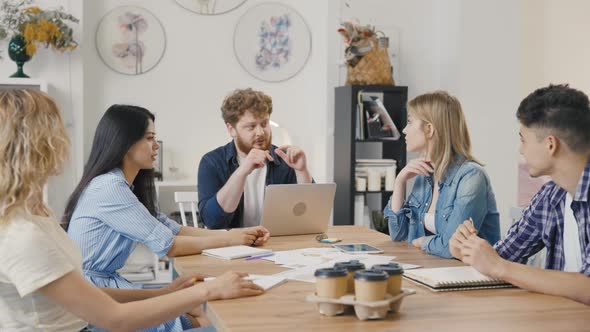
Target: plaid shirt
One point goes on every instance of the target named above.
(541, 226)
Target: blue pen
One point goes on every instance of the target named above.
(259, 256)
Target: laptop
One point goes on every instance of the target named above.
(294, 209)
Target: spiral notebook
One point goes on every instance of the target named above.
(444, 279)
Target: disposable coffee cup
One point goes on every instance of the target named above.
(370, 285)
(331, 282)
(351, 266)
(395, 272)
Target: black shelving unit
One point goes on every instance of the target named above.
(347, 146)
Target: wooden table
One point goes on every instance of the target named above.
(284, 308)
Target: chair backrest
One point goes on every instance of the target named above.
(190, 197)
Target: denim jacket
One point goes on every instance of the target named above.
(464, 193)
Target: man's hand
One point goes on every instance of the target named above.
(462, 233)
(478, 253)
(293, 156)
(256, 158)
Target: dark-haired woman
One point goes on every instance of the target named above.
(113, 208)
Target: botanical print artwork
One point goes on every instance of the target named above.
(272, 42)
(131, 50)
(130, 40)
(275, 46)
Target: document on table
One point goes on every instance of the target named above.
(303, 262)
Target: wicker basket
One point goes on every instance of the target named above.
(373, 68)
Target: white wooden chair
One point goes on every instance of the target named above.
(187, 197)
(142, 255)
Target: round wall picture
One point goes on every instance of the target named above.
(210, 7)
(130, 40)
(272, 42)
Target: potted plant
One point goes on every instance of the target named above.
(30, 26)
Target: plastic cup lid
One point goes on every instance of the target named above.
(391, 268)
(330, 273)
(371, 275)
(353, 265)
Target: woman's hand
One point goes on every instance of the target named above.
(250, 236)
(413, 168)
(262, 234)
(237, 236)
(418, 242)
(183, 282)
(231, 285)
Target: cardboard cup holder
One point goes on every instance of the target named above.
(363, 310)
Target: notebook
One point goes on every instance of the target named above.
(234, 252)
(265, 281)
(453, 278)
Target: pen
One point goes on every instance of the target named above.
(259, 256)
(472, 224)
(244, 278)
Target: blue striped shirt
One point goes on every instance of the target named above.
(107, 224)
(541, 226)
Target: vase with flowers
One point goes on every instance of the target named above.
(29, 26)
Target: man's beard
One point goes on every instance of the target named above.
(246, 147)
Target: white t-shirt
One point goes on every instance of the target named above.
(253, 196)
(429, 222)
(33, 253)
(572, 251)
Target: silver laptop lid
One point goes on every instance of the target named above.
(292, 209)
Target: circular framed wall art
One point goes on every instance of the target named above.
(272, 42)
(130, 40)
(210, 7)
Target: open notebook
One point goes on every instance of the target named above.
(453, 278)
(234, 252)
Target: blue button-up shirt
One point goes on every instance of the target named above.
(107, 224)
(465, 192)
(215, 169)
(541, 226)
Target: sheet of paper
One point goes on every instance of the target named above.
(406, 266)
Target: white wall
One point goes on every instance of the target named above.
(197, 71)
(483, 69)
(63, 74)
(557, 51)
(488, 53)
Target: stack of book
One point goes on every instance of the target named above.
(367, 167)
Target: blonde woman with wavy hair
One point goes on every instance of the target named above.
(450, 184)
(41, 279)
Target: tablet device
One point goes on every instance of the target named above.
(358, 248)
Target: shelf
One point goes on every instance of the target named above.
(373, 140)
(373, 192)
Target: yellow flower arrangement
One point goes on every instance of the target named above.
(37, 26)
